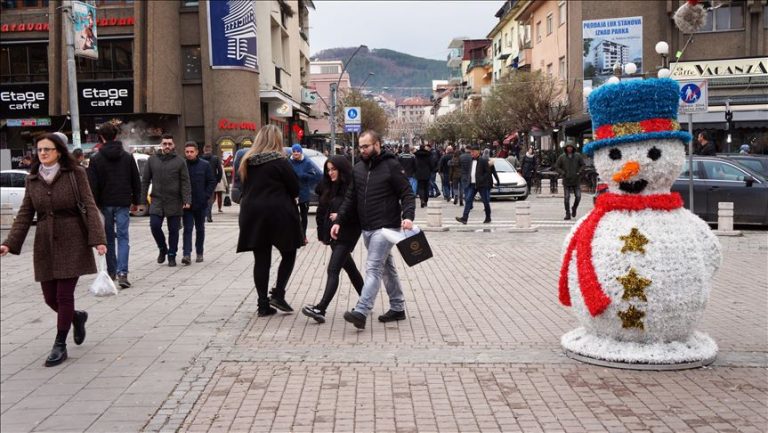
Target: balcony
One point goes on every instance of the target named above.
(477, 63)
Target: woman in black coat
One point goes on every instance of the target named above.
(337, 176)
(269, 216)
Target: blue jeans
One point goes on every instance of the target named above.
(469, 199)
(194, 219)
(414, 184)
(433, 191)
(156, 226)
(447, 188)
(116, 221)
(379, 265)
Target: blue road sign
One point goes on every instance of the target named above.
(690, 93)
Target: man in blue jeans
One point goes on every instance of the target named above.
(116, 186)
(171, 194)
(203, 182)
(380, 197)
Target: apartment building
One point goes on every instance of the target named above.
(321, 75)
(506, 41)
(159, 71)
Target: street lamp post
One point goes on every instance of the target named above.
(370, 74)
(334, 90)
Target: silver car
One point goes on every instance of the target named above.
(12, 184)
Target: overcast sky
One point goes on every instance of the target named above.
(419, 28)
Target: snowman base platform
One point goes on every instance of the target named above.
(698, 351)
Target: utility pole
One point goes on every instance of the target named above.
(74, 110)
(333, 117)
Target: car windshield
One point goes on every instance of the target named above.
(503, 166)
(753, 164)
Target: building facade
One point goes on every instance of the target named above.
(159, 70)
(321, 75)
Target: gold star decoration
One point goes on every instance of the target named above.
(634, 285)
(631, 318)
(634, 242)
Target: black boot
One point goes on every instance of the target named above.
(573, 212)
(487, 218)
(277, 300)
(264, 308)
(78, 326)
(59, 351)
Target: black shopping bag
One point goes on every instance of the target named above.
(415, 249)
(227, 201)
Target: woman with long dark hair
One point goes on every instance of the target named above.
(68, 228)
(337, 176)
(268, 216)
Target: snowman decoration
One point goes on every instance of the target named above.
(637, 270)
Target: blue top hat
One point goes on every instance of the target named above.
(633, 111)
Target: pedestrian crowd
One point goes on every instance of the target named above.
(80, 208)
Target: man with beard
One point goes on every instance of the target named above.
(569, 165)
(202, 182)
(382, 198)
(171, 194)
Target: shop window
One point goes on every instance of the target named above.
(23, 63)
(192, 66)
(724, 18)
(115, 61)
(23, 4)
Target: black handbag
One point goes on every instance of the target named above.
(415, 249)
(227, 201)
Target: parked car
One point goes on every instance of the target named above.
(717, 179)
(12, 188)
(317, 158)
(512, 185)
(758, 163)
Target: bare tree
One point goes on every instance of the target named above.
(531, 99)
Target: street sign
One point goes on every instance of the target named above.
(694, 97)
(352, 116)
(352, 128)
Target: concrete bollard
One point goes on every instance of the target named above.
(435, 216)
(6, 216)
(546, 188)
(523, 218)
(725, 220)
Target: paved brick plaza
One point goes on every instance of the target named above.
(183, 350)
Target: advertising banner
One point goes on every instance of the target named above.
(23, 100)
(84, 26)
(105, 97)
(232, 34)
(610, 41)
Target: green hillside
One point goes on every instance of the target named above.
(403, 74)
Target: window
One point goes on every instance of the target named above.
(717, 170)
(549, 24)
(562, 12)
(23, 4)
(329, 69)
(23, 63)
(13, 180)
(725, 18)
(561, 68)
(684, 174)
(189, 3)
(192, 66)
(113, 2)
(538, 31)
(549, 69)
(115, 61)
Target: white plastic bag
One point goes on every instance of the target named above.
(103, 284)
(396, 236)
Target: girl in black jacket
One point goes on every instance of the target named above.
(337, 176)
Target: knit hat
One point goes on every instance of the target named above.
(632, 111)
(297, 148)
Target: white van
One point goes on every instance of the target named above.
(141, 161)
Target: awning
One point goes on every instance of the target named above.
(576, 125)
(278, 96)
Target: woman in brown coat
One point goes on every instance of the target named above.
(63, 238)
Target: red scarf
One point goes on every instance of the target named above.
(593, 294)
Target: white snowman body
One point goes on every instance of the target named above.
(655, 266)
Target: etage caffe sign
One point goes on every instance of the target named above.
(105, 97)
(23, 100)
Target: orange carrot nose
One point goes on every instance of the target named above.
(628, 171)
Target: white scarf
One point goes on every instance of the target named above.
(48, 173)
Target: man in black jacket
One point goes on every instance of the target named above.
(218, 173)
(424, 170)
(382, 198)
(476, 172)
(408, 162)
(202, 184)
(116, 185)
